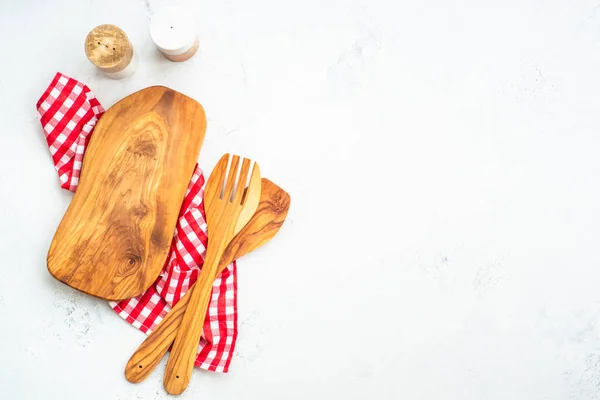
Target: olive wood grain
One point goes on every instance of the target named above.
(262, 227)
(223, 207)
(114, 238)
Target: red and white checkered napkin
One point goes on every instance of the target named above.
(68, 112)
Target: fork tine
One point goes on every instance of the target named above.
(250, 199)
(242, 180)
(231, 178)
(216, 180)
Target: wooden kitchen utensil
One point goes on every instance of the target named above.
(114, 238)
(262, 227)
(224, 203)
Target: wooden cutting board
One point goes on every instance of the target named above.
(114, 238)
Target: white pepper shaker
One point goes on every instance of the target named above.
(173, 31)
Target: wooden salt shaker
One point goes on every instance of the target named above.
(109, 49)
(173, 31)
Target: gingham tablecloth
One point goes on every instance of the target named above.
(68, 112)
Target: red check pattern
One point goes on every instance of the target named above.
(68, 113)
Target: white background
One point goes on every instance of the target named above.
(443, 162)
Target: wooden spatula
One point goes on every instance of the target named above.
(228, 209)
(114, 238)
(262, 227)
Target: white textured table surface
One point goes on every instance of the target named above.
(442, 159)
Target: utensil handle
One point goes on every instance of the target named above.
(183, 354)
(154, 347)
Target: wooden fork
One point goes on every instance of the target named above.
(229, 205)
(262, 227)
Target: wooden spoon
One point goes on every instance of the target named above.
(225, 200)
(262, 227)
(115, 236)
